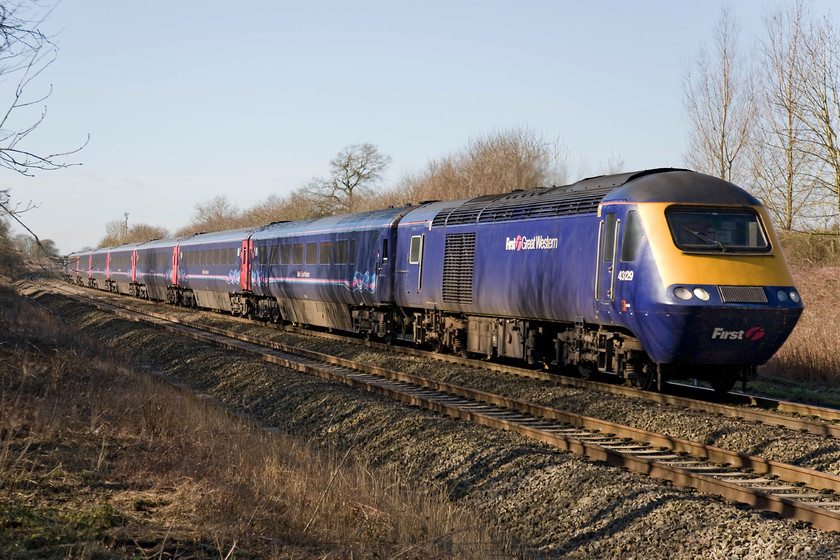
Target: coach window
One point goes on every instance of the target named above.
(311, 253)
(298, 253)
(341, 252)
(414, 251)
(326, 253)
(352, 252)
(632, 237)
(286, 254)
(275, 252)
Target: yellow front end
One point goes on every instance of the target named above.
(677, 267)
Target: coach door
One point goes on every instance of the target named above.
(608, 229)
(245, 269)
(384, 277)
(409, 270)
(415, 262)
(175, 259)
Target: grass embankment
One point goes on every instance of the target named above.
(807, 367)
(100, 460)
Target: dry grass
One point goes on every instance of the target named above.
(100, 461)
(809, 362)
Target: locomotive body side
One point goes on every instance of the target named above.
(588, 276)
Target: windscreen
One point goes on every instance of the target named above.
(717, 230)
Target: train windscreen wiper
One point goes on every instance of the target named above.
(706, 239)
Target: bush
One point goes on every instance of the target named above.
(811, 249)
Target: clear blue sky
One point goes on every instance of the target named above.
(185, 100)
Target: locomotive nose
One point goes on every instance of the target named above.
(723, 324)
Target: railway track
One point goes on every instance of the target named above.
(801, 417)
(791, 491)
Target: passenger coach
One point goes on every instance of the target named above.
(335, 272)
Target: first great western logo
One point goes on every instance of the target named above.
(538, 242)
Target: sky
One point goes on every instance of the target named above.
(184, 100)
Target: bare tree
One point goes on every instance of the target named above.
(354, 173)
(217, 214)
(118, 233)
(25, 52)
(820, 109)
(718, 101)
(503, 161)
(274, 208)
(782, 166)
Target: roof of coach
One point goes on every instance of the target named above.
(157, 243)
(584, 197)
(218, 236)
(126, 247)
(346, 222)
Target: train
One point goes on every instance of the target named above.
(649, 276)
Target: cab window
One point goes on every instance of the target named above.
(717, 230)
(632, 237)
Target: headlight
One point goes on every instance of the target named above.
(782, 296)
(682, 293)
(701, 294)
(794, 296)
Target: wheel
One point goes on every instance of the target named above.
(723, 382)
(644, 378)
(585, 371)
